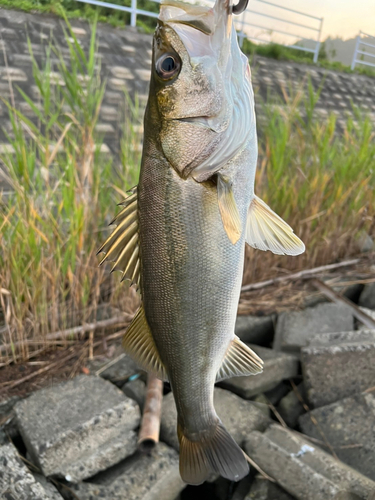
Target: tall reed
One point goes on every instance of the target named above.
(62, 193)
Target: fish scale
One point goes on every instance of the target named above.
(195, 208)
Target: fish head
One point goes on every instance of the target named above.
(197, 71)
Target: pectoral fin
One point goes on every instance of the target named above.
(239, 360)
(228, 209)
(121, 246)
(267, 231)
(139, 343)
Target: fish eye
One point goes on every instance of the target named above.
(168, 66)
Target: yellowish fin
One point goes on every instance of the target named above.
(265, 230)
(239, 360)
(139, 343)
(228, 209)
(121, 247)
(218, 453)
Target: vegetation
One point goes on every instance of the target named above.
(64, 193)
(282, 53)
(74, 9)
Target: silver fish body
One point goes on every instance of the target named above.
(182, 232)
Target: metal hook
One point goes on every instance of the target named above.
(240, 7)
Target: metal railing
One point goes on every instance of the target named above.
(242, 26)
(317, 28)
(360, 49)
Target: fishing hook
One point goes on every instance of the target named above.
(240, 7)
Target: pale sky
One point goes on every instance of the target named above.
(342, 18)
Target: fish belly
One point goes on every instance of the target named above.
(190, 279)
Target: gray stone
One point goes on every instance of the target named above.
(79, 427)
(261, 402)
(364, 242)
(238, 416)
(277, 393)
(8, 427)
(347, 495)
(49, 488)
(367, 297)
(345, 423)
(16, 481)
(255, 329)
(338, 365)
(154, 476)
(117, 369)
(369, 312)
(262, 489)
(277, 367)
(301, 468)
(136, 390)
(295, 329)
(290, 407)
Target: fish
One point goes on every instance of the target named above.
(180, 236)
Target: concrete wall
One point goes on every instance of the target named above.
(126, 59)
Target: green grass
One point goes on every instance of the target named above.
(65, 191)
(73, 9)
(281, 53)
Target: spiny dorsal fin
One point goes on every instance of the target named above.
(121, 247)
(265, 230)
(228, 209)
(239, 360)
(139, 343)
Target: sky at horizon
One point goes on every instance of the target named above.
(342, 18)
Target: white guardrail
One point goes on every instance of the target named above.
(244, 28)
(362, 42)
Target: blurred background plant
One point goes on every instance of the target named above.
(64, 191)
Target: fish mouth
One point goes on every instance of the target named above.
(208, 20)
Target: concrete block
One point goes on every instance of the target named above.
(153, 476)
(262, 489)
(277, 367)
(369, 312)
(295, 329)
(117, 369)
(338, 365)
(349, 422)
(16, 481)
(8, 427)
(367, 297)
(79, 427)
(301, 468)
(290, 407)
(255, 329)
(238, 416)
(136, 390)
(49, 488)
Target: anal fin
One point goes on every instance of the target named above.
(239, 361)
(228, 209)
(139, 343)
(265, 230)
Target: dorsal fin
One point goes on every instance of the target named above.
(239, 360)
(122, 247)
(139, 344)
(265, 230)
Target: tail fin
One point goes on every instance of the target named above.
(218, 453)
